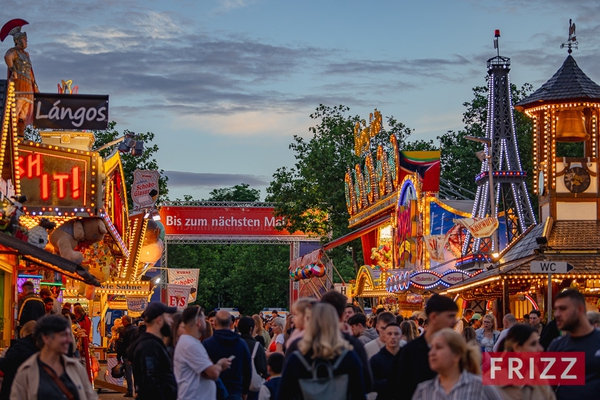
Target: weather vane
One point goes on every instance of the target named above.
(572, 41)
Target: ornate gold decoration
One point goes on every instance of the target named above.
(363, 135)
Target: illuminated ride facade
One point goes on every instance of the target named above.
(409, 236)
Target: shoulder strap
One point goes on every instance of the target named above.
(339, 360)
(255, 349)
(300, 356)
(61, 385)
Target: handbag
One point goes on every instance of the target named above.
(256, 380)
(118, 371)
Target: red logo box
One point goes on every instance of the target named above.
(534, 369)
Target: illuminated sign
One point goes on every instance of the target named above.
(56, 176)
(239, 221)
(124, 286)
(70, 111)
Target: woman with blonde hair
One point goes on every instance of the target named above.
(260, 332)
(322, 344)
(301, 310)
(458, 366)
(487, 335)
(278, 327)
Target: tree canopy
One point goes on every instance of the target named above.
(241, 192)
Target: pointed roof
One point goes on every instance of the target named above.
(568, 83)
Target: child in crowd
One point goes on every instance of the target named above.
(270, 389)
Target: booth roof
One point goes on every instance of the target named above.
(46, 259)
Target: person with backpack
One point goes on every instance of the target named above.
(325, 365)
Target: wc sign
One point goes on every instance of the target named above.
(550, 267)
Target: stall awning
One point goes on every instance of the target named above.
(45, 259)
(357, 233)
(315, 256)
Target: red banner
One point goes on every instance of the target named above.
(235, 221)
(549, 368)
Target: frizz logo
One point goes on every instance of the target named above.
(534, 369)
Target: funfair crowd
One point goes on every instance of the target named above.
(325, 349)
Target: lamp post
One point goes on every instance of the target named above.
(488, 143)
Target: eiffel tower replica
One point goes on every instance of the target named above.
(511, 203)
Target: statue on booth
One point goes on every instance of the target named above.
(20, 72)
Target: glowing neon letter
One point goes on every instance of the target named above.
(61, 179)
(44, 187)
(34, 161)
(76, 193)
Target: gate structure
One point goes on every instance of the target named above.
(217, 222)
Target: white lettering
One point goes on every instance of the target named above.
(550, 362)
(495, 367)
(37, 112)
(512, 362)
(572, 362)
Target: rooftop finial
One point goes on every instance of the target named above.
(572, 41)
(496, 45)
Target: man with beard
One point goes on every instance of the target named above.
(578, 336)
(152, 371)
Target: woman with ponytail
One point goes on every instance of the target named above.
(458, 366)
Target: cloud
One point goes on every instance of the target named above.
(179, 179)
(228, 5)
(427, 67)
(248, 123)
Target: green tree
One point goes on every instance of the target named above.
(241, 192)
(146, 161)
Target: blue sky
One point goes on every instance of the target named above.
(225, 84)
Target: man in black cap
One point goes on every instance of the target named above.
(152, 366)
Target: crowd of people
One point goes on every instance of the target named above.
(326, 349)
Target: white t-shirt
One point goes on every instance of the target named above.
(189, 360)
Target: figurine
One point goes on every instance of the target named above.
(20, 72)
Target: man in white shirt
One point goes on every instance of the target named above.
(383, 320)
(194, 371)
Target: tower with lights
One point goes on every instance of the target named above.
(501, 168)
